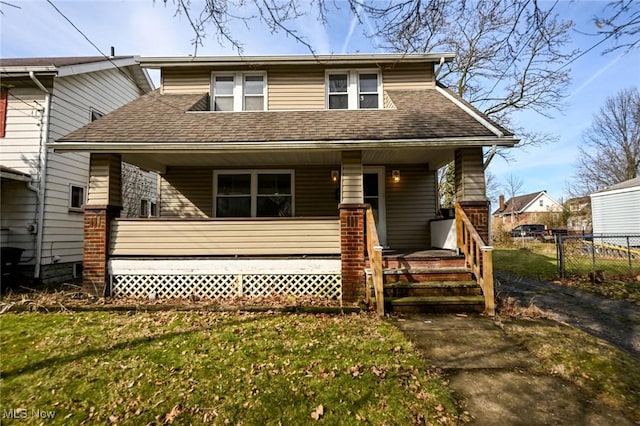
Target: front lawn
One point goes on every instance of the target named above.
(538, 260)
(201, 367)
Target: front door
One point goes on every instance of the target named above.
(373, 182)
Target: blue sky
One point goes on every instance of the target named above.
(148, 28)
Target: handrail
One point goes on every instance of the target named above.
(478, 256)
(374, 252)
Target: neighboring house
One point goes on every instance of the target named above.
(615, 210)
(578, 215)
(43, 192)
(267, 165)
(537, 207)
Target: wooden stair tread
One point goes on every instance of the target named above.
(437, 300)
(403, 271)
(432, 284)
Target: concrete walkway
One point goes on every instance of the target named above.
(491, 375)
(614, 321)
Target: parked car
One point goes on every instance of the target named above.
(528, 230)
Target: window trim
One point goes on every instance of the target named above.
(4, 106)
(253, 189)
(353, 86)
(239, 94)
(73, 208)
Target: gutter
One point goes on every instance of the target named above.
(41, 189)
(220, 147)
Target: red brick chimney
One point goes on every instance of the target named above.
(502, 206)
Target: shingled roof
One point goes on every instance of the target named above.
(518, 204)
(158, 118)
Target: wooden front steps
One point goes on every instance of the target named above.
(429, 282)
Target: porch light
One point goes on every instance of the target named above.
(334, 176)
(395, 176)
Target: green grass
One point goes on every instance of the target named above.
(199, 367)
(599, 370)
(533, 261)
(538, 260)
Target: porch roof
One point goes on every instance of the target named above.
(433, 117)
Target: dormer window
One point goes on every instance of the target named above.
(239, 92)
(354, 89)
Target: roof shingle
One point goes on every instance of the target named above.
(420, 114)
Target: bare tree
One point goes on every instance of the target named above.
(611, 151)
(621, 20)
(513, 185)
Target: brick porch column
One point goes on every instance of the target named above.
(352, 251)
(97, 223)
(104, 203)
(478, 213)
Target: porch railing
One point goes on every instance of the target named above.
(478, 256)
(374, 253)
(225, 237)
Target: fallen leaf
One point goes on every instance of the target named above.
(317, 412)
(171, 415)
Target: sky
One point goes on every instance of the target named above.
(151, 28)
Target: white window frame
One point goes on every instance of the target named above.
(353, 84)
(238, 89)
(84, 197)
(253, 192)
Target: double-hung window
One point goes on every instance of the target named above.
(354, 89)
(239, 92)
(259, 193)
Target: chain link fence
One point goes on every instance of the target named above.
(615, 255)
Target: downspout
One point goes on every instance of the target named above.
(43, 172)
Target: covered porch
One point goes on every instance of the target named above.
(314, 241)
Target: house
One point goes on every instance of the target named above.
(268, 165)
(578, 215)
(43, 192)
(537, 207)
(615, 209)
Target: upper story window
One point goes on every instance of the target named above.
(354, 89)
(239, 92)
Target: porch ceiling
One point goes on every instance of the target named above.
(159, 161)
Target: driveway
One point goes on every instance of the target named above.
(615, 321)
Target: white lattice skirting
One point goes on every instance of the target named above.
(220, 279)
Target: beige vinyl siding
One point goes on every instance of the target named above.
(410, 203)
(316, 195)
(469, 175)
(351, 176)
(181, 80)
(187, 192)
(19, 206)
(296, 89)
(408, 77)
(224, 237)
(105, 180)
(73, 98)
(20, 148)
